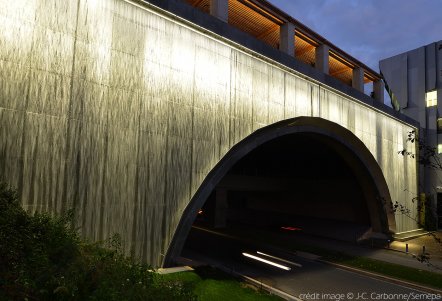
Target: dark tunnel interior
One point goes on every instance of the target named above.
(298, 180)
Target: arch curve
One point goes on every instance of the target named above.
(341, 139)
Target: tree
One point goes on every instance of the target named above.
(426, 156)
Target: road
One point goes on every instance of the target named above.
(307, 279)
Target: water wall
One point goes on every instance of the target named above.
(120, 112)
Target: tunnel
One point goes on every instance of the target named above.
(305, 174)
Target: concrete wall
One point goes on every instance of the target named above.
(120, 112)
(411, 75)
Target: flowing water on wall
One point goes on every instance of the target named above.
(120, 113)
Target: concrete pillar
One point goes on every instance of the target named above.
(220, 9)
(378, 89)
(287, 38)
(321, 58)
(221, 206)
(439, 96)
(358, 79)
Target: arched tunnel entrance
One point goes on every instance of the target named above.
(305, 174)
(296, 180)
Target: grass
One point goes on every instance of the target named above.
(417, 276)
(210, 284)
(385, 268)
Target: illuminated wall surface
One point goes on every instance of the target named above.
(120, 113)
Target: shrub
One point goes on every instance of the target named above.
(43, 258)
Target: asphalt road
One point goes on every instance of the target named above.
(307, 279)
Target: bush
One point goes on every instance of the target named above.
(43, 258)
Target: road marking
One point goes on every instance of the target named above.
(216, 233)
(283, 267)
(280, 259)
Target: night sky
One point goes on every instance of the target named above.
(370, 30)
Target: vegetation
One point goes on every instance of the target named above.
(428, 157)
(386, 268)
(212, 285)
(43, 258)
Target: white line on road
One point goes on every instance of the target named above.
(283, 267)
(280, 259)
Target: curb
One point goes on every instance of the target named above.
(438, 257)
(271, 290)
(164, 271)
(259, 284)
(385, 278)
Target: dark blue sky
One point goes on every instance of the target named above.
(370, 30)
